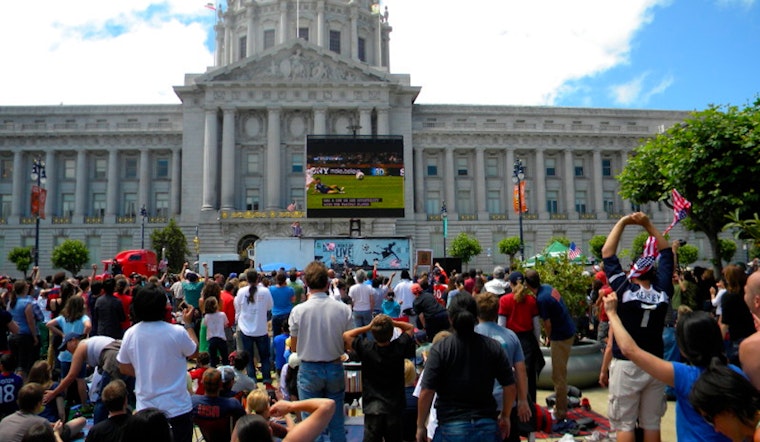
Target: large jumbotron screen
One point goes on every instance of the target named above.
(354, 177)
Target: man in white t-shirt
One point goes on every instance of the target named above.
(155, 353)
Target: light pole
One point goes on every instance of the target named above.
(197, 242)
(518, 177)
(445, 220)
(39, 177)
(143, 215)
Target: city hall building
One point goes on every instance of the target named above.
(229, 161)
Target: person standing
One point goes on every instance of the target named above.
(405, 297)
(284, 298)
(155, 353)
(252, 303)
(560, 335)
(109, 312)
(637, 398)
(363, 299)
(24, 345)
(316, 332)
(749, 348)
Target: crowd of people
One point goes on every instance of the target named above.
(443, 356)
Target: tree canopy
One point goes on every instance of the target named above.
(712, 159)
(465, 247)
(174, 241)
(22, 257)
(70, 255)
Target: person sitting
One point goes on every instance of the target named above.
(148, 425)
(202, 363)
(114, 397)
(215, 415)
(53, 411)
(243, 382)
(255, 427)
(14, 427)
(10, 383)
(258, 402)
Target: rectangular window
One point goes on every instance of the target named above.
(98, 204)
(6, 201)
(551, 201)
(464, 201)
(69, 169)
(268, 38)
(162, 204)
(606, 167)
(162, 168)
(462, 166)
(551, 167)
(303, 33)
(6, 169)
(580, 201)
(493, 201)
(362, 50)
(130, 204)
(578, 166)
(253, 163)
(130, 168)
(335, 41)
(433, 203)
(492, 168)
(67, 204)
(609, 201)
(101, 168)
(432, 167)
(252, 199)
(297, 196)
(242, 47)
(296, 160)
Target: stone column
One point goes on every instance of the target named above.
(419, 179)
(354, 33)
(51, 202)
(250, 37)
(321, 23)
(540, 183)
(283, 21)
(112, 199)
(175, 204)
(143, 195)
(480, 183)
(569, 182)
(320, 121)
(378, 41)
(82, 186)
(449, 178)
(596, 171)
(219, 53)
(228, 159)
(227, 58)
(509, 172)
(274, 184)
(365, 121)
(626, 203)
(383, 127)
(20, 174)
(209, 161)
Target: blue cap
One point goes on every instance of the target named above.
(67, 338)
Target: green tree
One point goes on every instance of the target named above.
(748, 230)
(510, 246)
(70, 255)
(596, 244)
(173, 240)
(569, 280)
(711, 159)
(465, 247)
(22, 257)
(687, 254)
(727, 249)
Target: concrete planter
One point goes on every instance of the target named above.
(582, 368)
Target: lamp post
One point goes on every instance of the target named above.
(197, 242)
(518, 177)
(445, 220)
(143, 215)
(39, 177)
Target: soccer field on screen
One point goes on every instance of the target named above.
(388, 189)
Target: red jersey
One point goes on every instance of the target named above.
(519, 314)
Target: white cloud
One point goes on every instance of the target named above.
(635, 92)
(746, 4)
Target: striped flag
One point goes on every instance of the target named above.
(646, 260)
(210, 6)
(573, 252)
(681, 207)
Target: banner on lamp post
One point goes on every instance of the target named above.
(518, 196)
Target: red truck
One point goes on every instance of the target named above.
(143, 262)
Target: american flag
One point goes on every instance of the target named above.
(646, 260)
(573, 252)
(681, 208)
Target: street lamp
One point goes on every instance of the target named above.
(39, 177)
(143, 214)
(445, 220)
(518, 177)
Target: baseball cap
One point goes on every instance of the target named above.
(233, 275)
(228, 373)
(67, 338)
(516, 277)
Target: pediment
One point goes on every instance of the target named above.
(297, 62)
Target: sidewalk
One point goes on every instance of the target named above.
(598, 399)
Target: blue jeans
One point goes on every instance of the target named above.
(362, 318)
(262, 344)
(484, 430)
(325, 380)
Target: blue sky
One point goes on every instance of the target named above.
(651, 54)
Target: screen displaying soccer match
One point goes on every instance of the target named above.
(354, 177)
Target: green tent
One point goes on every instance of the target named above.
(554, 250)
